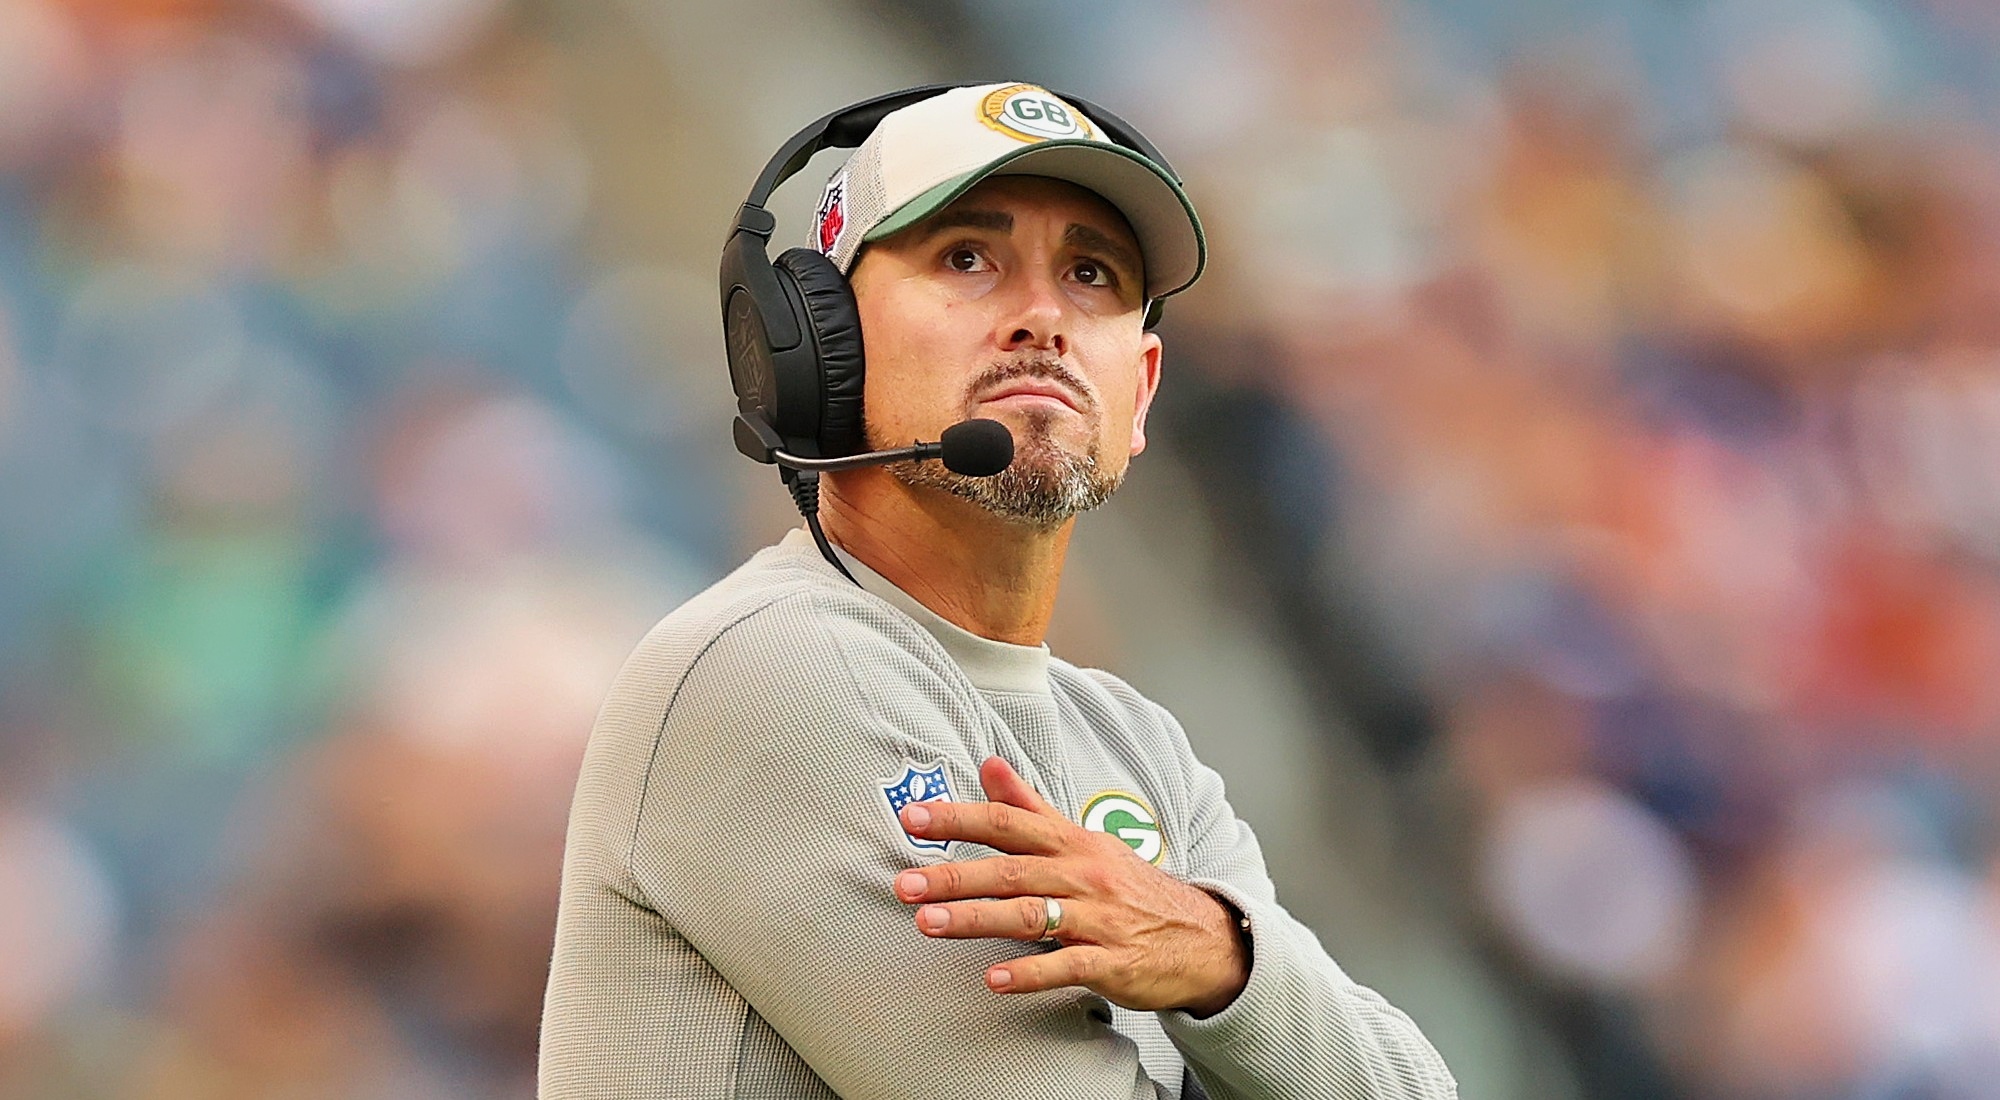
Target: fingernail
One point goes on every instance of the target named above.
(917, 817)
(910, 884)
(935, 917)
(1000, 979)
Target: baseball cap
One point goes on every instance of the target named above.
(924, 156)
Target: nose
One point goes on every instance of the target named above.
(1037, 320)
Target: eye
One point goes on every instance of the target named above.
(1092, 273)
(966, 259)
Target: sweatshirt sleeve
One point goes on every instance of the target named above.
(767, 837)
(1301, 1027)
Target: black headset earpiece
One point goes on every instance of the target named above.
(791, 329)
(833, 331)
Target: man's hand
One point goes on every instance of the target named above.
(1131, 933)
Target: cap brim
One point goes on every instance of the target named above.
(1162, 218)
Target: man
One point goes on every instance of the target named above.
(782, 879)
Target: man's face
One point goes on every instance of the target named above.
(1021, 302)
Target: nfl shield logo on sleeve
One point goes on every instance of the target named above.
(917, 786)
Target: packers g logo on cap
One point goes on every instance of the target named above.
(1127, 817)
(1032, 114)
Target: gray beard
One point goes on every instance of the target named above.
(1043, 488)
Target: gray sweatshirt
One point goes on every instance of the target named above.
(727, 928)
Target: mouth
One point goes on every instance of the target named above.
(1034, 392)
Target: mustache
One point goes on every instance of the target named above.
(1044, 368)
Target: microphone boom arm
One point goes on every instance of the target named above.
(756, 439)
(980, 448)
(916, 452)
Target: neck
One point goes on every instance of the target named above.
(979, 572)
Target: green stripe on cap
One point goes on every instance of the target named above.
(924, 205)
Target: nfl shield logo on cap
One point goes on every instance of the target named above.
(831, 217)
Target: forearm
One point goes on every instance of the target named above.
(1301, 1028)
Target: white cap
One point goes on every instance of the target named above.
(923, 156)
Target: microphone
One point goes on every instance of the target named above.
(974, 448)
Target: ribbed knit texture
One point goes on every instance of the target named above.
(727, 928)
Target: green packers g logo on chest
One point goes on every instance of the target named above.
(1127, 817)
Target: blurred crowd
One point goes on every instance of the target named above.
(1651, 357)
(1629, 370)
(322, 524)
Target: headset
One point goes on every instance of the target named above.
(790, 327)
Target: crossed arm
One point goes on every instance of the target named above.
(1150, 942)
(1130, 932)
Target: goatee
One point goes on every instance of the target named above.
(1044, 486)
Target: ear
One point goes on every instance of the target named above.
(1150, 352)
